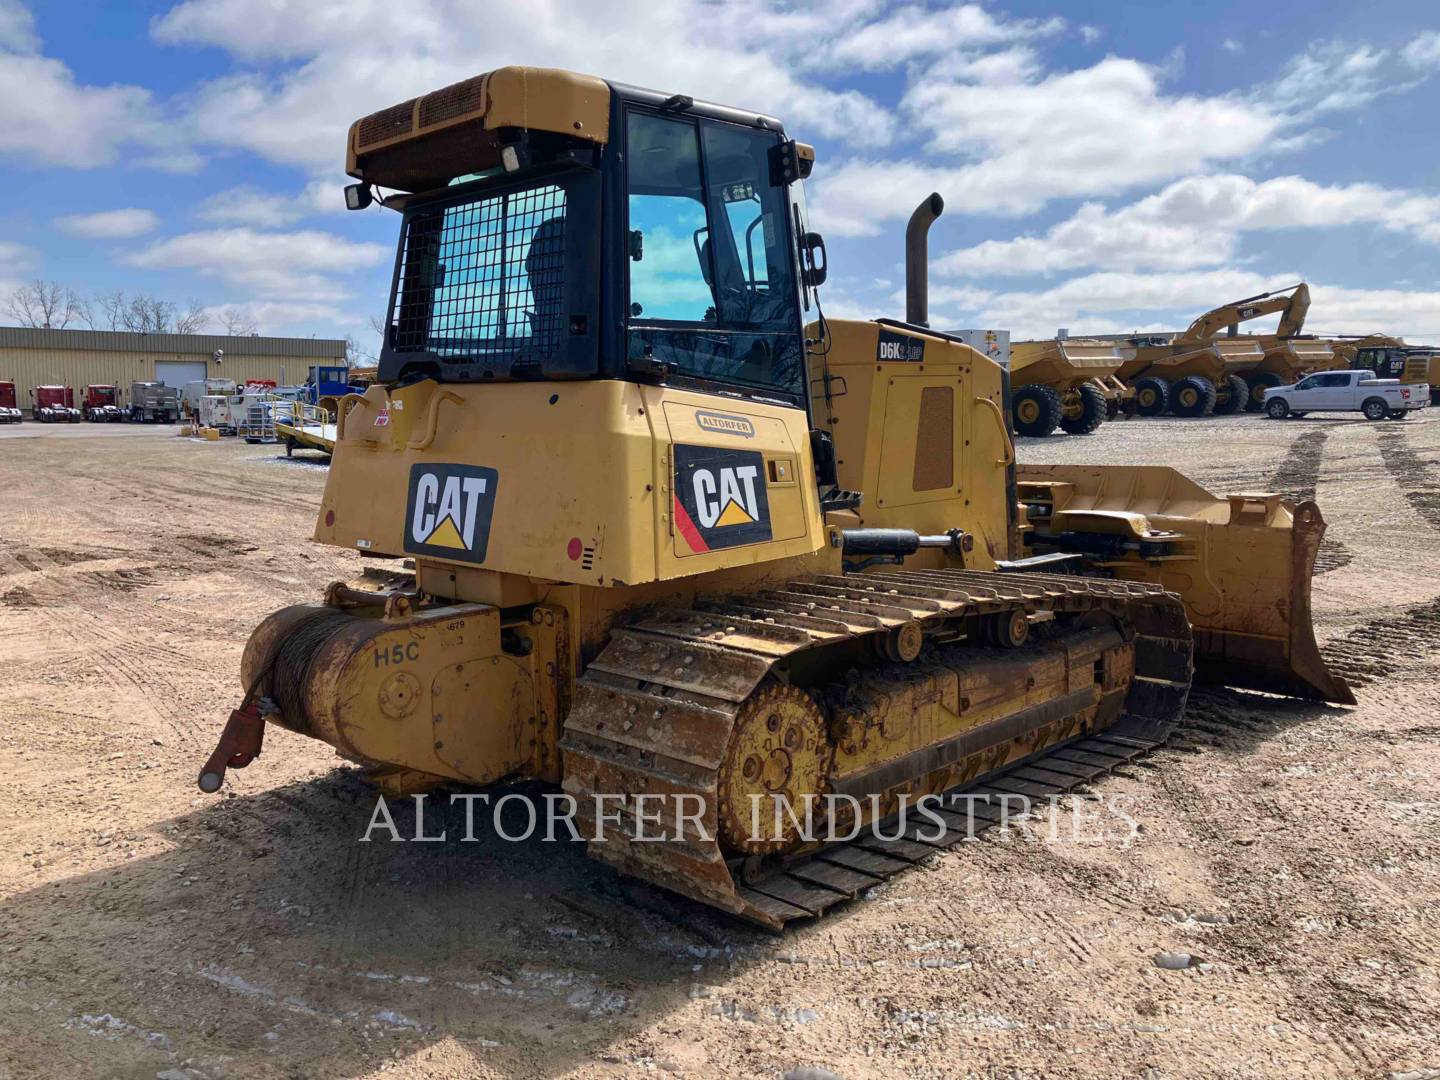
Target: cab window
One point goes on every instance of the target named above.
(712, 290)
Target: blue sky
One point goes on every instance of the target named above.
(1106, 167)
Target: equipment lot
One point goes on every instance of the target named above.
(145, 927)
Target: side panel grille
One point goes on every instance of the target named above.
(386, 124)
(452, 101)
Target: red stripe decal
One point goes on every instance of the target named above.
(688, 531)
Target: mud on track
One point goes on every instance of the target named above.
(146, 928)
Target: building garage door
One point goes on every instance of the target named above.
(178, 372)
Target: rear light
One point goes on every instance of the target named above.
(1405, 394)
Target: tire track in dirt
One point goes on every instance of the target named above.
(1385, 644)
(1297, 478)
(1411, 474)
(127, 664)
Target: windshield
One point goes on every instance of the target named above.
(712, 290)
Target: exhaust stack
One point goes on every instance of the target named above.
(917, 260)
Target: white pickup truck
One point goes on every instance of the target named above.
(1346, 391)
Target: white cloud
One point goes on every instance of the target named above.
(1230, 45)
(293, 266)
(1118, 303)
(122, 224)
(911, 32)
(16, 258)
(347, 59)
(1099, 130)
(249, 205)
(1091, 34)
(1332, 76)
(1423, 53)
(17, 27)
(282, 317)
(48, 118)
(1196, 222)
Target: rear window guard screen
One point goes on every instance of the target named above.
(483, 280)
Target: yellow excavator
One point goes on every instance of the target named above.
(1199, 371)
(1391, 358)
(1287, 354)
(673, 548)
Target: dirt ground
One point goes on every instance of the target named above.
(146, 930)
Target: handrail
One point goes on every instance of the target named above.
(432, 419)
(1009, 458)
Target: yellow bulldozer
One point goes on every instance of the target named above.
(688, 559)
(1067, 383)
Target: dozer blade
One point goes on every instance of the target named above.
(1242, 564)
(698, 705)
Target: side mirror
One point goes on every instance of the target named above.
(816, 266)
(637, 245)
(358, 196)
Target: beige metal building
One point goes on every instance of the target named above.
(77, 358)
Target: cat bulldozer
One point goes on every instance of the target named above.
(671, 548)
(1066, 383)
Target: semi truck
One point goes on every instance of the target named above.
(9, 408)
(55, 405)
(154, 403)
(101, 404)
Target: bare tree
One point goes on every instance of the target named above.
(195, 319)
(145, 314)
(236, 322)
(356, 355)
(112, 309)
(45, 305)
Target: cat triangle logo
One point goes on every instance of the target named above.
(734, 514)
(447, 535)
(449, 509)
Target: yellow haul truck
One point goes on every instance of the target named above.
(1287, 360)
(1199, 371)
(1187, 378)
(644, 568)
(1069, 384)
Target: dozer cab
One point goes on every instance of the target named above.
(1066, 383)
(653, 568)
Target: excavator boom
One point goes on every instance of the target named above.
(1292, 302)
